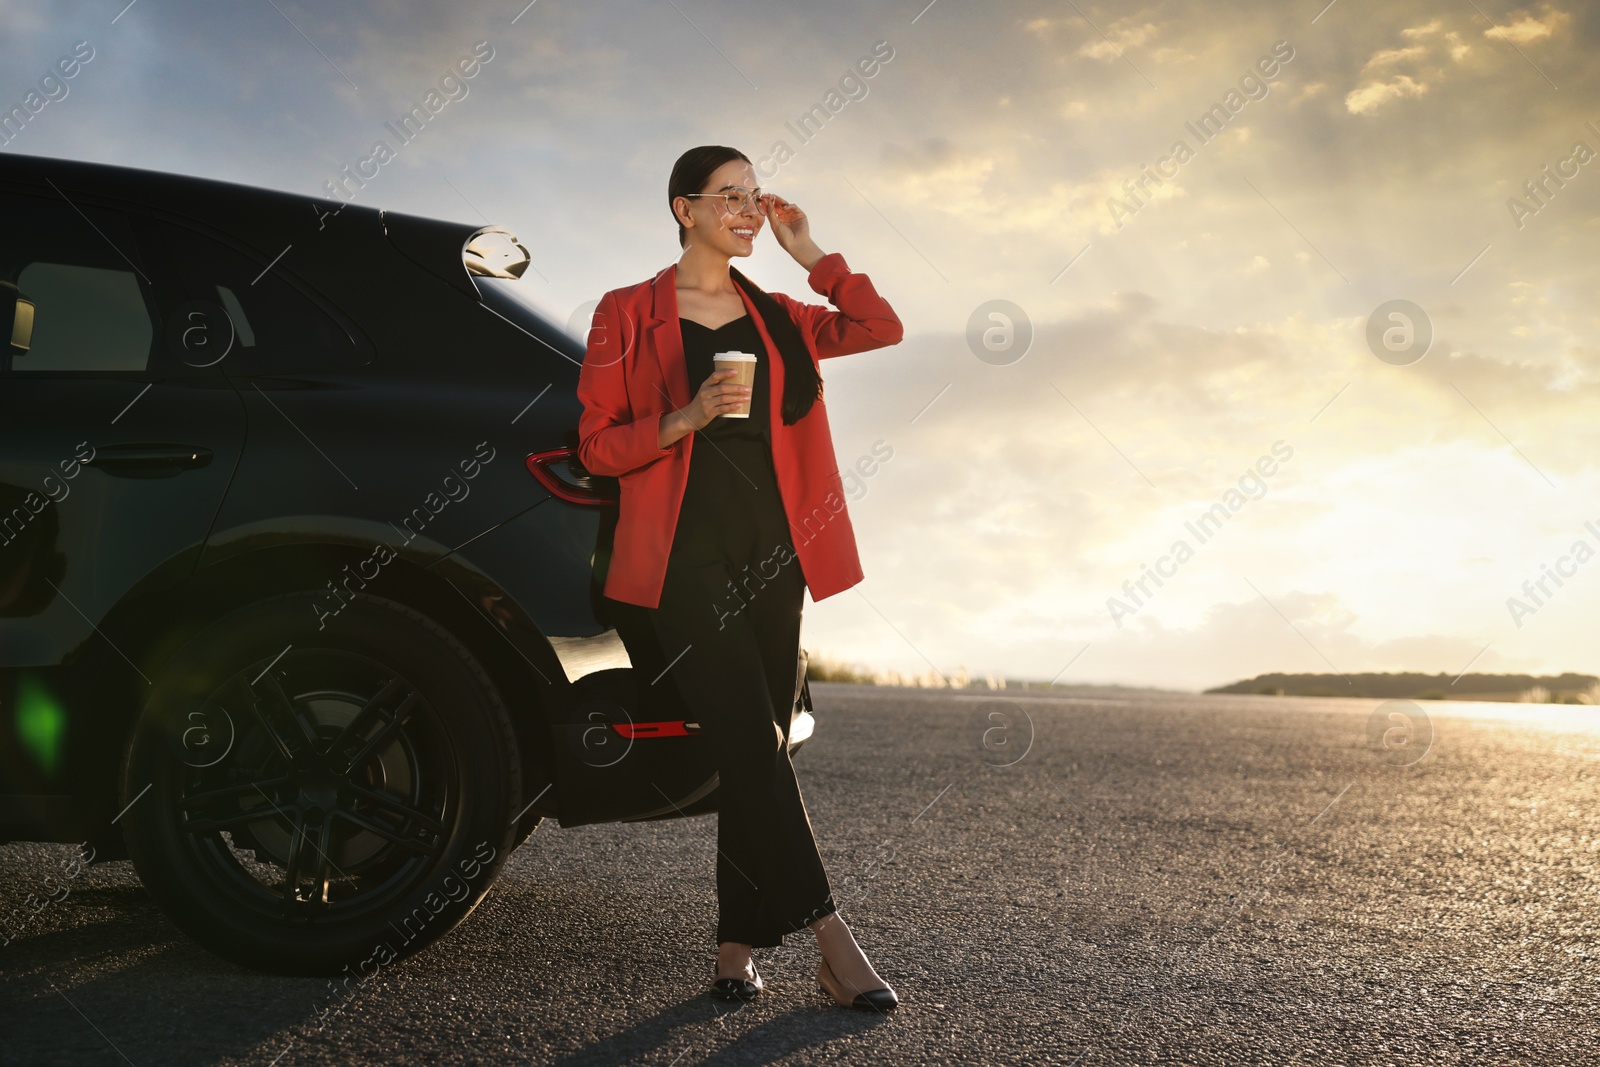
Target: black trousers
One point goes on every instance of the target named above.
(730, 614)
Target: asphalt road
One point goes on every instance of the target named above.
(1150, 879)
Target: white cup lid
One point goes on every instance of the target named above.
(736, 357)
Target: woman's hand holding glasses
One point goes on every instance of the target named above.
(791, 229)
(789, 223)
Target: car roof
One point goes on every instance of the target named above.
(206, 199)
(263, 218)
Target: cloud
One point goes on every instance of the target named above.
(1395, 73)
(1307, 91)
(1383, 83)
(1523, 28)
(1390, 56)
(1421, 31)
(1120, 36)
(979, 188)
(1374, 95)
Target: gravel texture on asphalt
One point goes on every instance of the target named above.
(1137, 879)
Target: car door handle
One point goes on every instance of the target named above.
(148, 460)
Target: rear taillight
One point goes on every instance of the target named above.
(674, 728)
(559, 471)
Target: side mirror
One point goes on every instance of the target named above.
(16, 319)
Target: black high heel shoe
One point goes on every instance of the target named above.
(737, 988)
(879, 1000)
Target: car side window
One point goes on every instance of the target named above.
(86, 318)
(92, 303)
(247, 313)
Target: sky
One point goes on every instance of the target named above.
(1327, 273)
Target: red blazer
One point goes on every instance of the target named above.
(634, 373)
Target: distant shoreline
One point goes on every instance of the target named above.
(1570, 688)
(1507, 688)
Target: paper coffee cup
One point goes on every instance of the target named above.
(745, 364)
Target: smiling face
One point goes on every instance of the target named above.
(708, 220)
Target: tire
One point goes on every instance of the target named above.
(309, 794)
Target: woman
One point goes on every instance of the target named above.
(722, 549)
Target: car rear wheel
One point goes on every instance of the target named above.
(309, 792)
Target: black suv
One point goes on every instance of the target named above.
(300, 577)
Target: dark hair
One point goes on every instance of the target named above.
(802, 385)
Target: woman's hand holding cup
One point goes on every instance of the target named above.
(719, 394)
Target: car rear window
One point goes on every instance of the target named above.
(277, 327)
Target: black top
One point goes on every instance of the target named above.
(700, 343)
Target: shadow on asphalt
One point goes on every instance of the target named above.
(687, 1033)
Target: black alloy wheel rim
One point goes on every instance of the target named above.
(336, 796)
